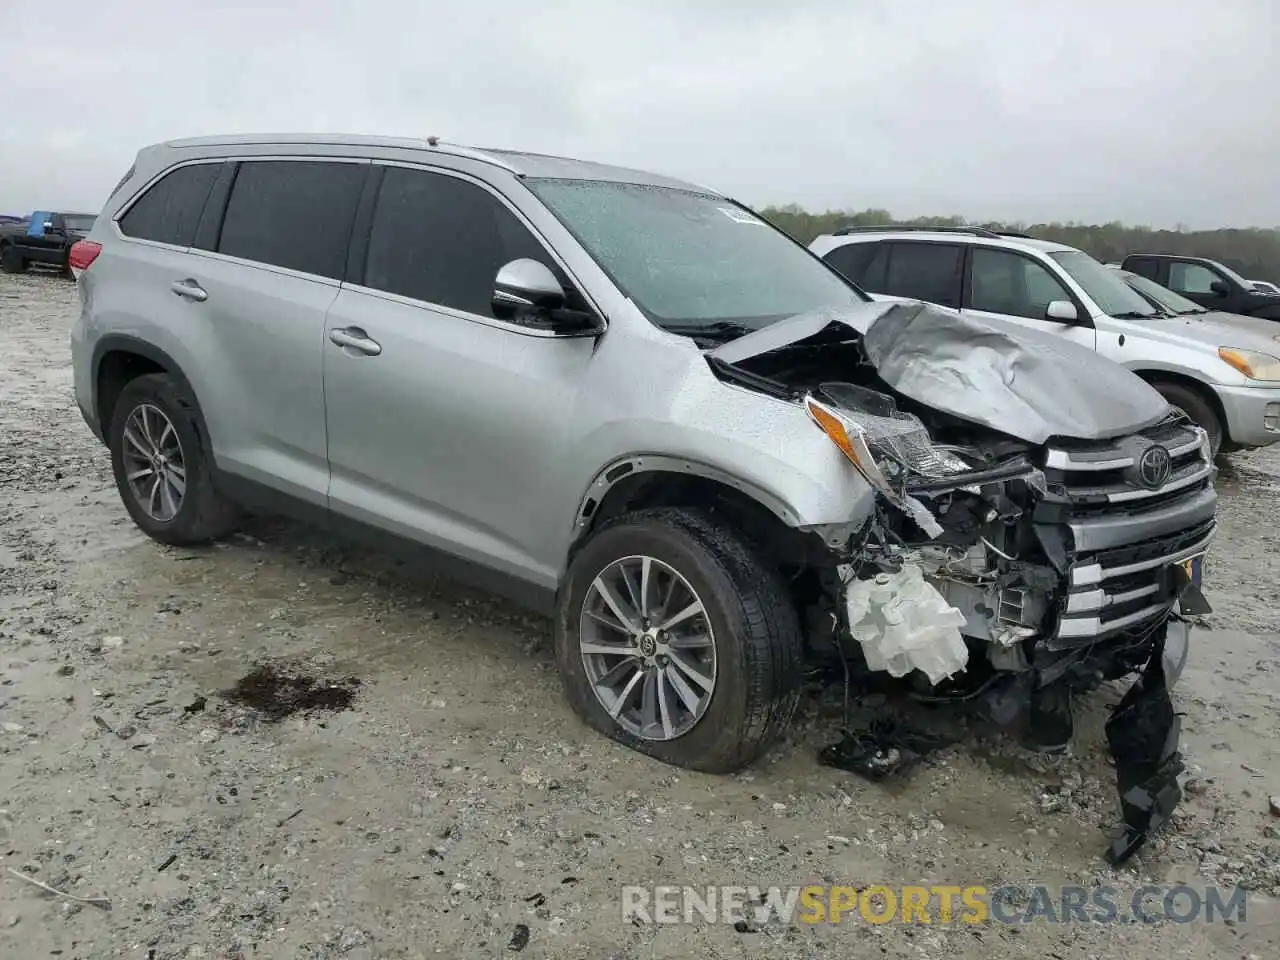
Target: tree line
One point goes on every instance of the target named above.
(1253, 252)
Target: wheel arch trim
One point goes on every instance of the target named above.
(124, 343)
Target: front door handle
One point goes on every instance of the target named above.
(356, 339)
(190, 290)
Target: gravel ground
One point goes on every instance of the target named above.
(458, 797)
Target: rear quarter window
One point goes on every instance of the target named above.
(170, 209)
(851, 259)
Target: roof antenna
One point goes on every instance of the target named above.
(433, 141)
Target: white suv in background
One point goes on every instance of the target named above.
(1224, 376)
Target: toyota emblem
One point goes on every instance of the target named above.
(1154, 467)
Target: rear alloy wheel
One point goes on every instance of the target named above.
(1199, 410)
(674, 638)
(154, 466)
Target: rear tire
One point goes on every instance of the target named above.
(753, 628)
(161, 466)
(1198, 409)
(11, 261)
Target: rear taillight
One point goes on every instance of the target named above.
(82, 254)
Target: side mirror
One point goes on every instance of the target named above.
(527, 284)
(1061, 311)
(1220, 288)
(48, 224)
(526, 291)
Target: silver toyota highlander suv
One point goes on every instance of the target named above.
(629, 401)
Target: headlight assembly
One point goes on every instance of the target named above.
(1254, 365)
(883, 442)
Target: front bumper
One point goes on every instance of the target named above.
(1252, 414)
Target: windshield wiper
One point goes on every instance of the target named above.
(1135, 315)
(718, 331)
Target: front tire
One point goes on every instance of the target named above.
(160, 464)
(705, 674)
(1198, 409)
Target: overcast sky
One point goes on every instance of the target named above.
(1147, 111)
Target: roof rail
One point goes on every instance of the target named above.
(1014, 233)
(914, 228)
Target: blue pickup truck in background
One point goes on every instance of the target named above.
(44, 237)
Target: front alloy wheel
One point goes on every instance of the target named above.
(648, 648)
(674, 637)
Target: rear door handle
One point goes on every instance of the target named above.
(356, 339)
(189, 290)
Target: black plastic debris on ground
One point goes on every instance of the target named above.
(1143, 733)
(277, 693)
(885, 748)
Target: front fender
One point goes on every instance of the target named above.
(764, 447)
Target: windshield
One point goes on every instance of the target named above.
(1174, 303)
(1103, 285)
(78, 222)
(1232, 275)
(692, 260)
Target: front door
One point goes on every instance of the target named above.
(445, 423)
(1009, 285)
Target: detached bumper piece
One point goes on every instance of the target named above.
(1143, 732)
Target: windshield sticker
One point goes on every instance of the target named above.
(740, 216)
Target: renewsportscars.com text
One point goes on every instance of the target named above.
(936, 904)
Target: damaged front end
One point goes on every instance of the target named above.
(1030, 540)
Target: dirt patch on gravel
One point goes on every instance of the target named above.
(277, 692)
(456, 807)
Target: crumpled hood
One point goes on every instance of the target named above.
(1015, 380)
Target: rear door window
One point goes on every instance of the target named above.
(925, 271)
(295, 214)
(442, 240)
(169, 211)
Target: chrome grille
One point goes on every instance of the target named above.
(1123, 534)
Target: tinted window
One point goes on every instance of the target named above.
(1143, 266)
(876, 277)
(1008, 283)
(293, 213)
(1191, 278)
(441, 239)
(925, 271)
(170, 210)
(852, 259)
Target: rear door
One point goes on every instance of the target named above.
(1010, 285)
(252, 297)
